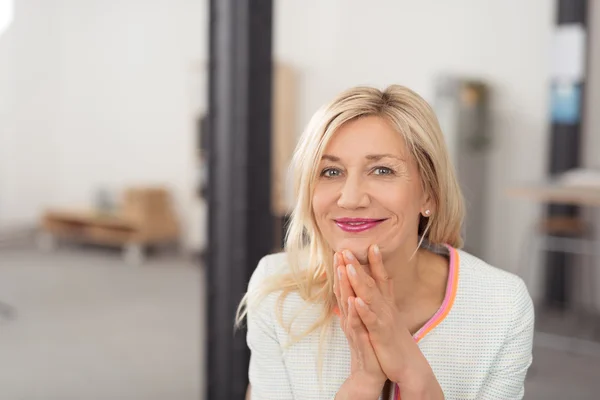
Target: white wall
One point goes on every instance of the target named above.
(102, 92)
(98, 93)
(28, 69)
(6, 14)
(339, 43)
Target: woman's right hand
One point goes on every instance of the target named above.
(366, 378)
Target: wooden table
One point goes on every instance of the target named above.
(558, 193)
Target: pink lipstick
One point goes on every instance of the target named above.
(356, 225)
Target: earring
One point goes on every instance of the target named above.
(427, 213)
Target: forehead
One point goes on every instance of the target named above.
(366, 135)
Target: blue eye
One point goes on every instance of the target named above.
(330, 172)
(383, 171)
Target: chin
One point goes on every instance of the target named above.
(360, 250)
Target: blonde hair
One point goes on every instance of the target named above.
(310, 258)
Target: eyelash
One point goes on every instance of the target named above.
(390, 171)
(326, 170)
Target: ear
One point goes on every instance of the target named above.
(427, 205)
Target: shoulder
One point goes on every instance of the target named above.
(499, 291)
(273, 291)
(491, 280)
(262, 294)
(273, 277)
(269, 266)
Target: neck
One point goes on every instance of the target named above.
(412, 271)
(403, 269)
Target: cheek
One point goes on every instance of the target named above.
(400, 202)
(317, 204)
(403, 203)
(321, 201)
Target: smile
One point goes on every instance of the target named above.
(356, 225)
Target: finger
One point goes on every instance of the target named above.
(343, 291)
(358, 331)
(346, 288)
(349, 258)
(379, 272)
(334, 269)
(345, 283)
(367, 317)
(336, 282)
(354, 320)
(363, 285)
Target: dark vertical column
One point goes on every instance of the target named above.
(567, 100)
(240, 220)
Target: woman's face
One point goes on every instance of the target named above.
(368, 190)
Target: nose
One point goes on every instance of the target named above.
(353, 194)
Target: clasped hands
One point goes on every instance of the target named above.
(380, 342)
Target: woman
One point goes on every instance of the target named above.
(372, 293)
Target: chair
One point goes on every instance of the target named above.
(568, 235)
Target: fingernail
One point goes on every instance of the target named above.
(348, 255)
(360, 302)
(339, 273)
(335, 260)
(376, 250)
(351, 270)
(349, 303)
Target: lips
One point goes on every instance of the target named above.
(356, 225)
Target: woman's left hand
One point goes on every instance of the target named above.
(398, 354)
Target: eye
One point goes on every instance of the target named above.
(383, 171)
(330, 172)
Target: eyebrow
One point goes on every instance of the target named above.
(371, 157)
(376, 157)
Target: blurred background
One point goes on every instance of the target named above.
(143, 156)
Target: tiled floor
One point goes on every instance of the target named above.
(89, 326)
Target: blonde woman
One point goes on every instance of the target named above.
(373, 298)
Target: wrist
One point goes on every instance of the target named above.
(368, 380)
(424, 388)
(360, 387)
